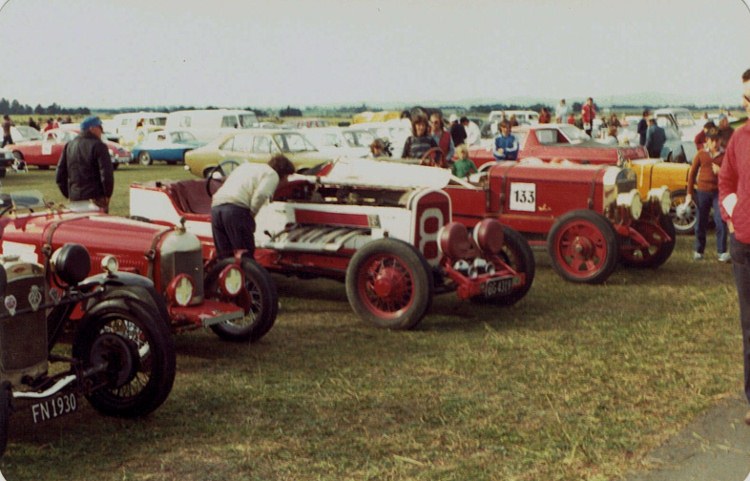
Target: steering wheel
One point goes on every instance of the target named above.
(433, 158)
(215, 177)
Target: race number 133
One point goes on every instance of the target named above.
(523, 196)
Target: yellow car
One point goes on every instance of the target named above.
(656, 173)
(253, 145)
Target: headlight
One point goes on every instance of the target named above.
(110, 264)
(663, 197)
(632, 201)
(181, 290)
(71, 263)
(231, 280)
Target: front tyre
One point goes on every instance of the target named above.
(517, 254)
(131, 340)
(144, 158)
(659, 248)
(389, 284)
(259, 299)
(583, 247)
(684, 218)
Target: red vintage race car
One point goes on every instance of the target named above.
(589, 216)
(45, 153)
(234, 297)
(561, 141)
(372, 224)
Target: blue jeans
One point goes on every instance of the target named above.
(233, 228)
(741, 267)
(706, 200)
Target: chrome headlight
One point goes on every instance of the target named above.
(181, 290)
(110, 265)
(632, 201)
(231, 280)
(662, 196)
(71, 263)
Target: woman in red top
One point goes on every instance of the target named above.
(703, 182)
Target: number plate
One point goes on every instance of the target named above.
(54, 407)
(497, 287)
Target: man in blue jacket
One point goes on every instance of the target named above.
(506, 145)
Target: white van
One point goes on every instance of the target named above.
(125, 126)
(206, 125)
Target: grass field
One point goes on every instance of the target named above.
(572, 383)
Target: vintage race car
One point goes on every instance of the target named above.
(235, 298)
(46, 152)
(590, 217)
(383, 228)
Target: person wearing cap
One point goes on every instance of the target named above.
(84, 171)
(458, 131)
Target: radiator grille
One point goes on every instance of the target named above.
(23, 337)
(191, 263)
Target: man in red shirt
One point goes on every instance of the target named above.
(734, 198)
(588, 114)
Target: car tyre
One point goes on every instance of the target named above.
(686, 223)
(583, 247)
(389, 284)
(660, 248)
(517, 254)
(144, 158)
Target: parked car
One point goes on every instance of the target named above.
(46, 153)
(378, 226)
(207, 125)
(6, 161)
(121, 355)
(337, 142)
(169, 146)
(125, 126)
(394, 132)
(256, 145)
(682, 120)
(234, 297)
(523, 117)
(673, 150)
(24, 133)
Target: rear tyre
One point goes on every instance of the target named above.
(582, 245)
(132, 340)
(144, 158)
(259, 300)
(389, 284)
(684, 223)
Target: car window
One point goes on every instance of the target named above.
(175, 137)
(293, 142)
(184, 121)
(243, 143)
(547, 136)
(229, 121)
(160, 121)
(247, 120)
(262, 144)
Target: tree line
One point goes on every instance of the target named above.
(14, 107)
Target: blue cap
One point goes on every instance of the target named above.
(89, 122)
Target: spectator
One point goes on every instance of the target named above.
(442, 137)
(419, 142)
(561, 112)
(50, 124)
(611, 137)
(378, 149)
(235, 204)
(704, 173)
(655, 139)
(613, 120)
(56, 123)
(734, 199)
(725, 131)
(588, 114)
(513, 120)
(463, 166)
(506, 145)
(700, 139)
(643, 126)
(33, 124)
(7, 124)
(571, 119)
(544, 116)
(473, 132)
(84, 171)
(458, 131)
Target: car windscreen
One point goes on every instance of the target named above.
(248, 120)
(293, 142)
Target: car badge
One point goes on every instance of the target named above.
(11, 304)
(35, 297)
(55, 294)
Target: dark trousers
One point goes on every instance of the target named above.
(7, 140)
(741, 267)
(705, 201)
(233, 228)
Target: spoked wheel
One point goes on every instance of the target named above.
(389, 284)
(684, 218)
(6, 395)
(582, 245)
(134, 345)
(517, 254)
(215, 176)
(661, 241)
(144, 158)
(433, 158)
(259, 300)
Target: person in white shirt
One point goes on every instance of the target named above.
(561, 112)
(234, 205)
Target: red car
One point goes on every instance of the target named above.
(562, 141)
(46, 152)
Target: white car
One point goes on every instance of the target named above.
(673, 150)
(336, 143)
(24, 133)
(395, 131)
(682, 120)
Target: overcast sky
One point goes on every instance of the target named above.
(116, 53)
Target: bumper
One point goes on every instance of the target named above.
(205, 314)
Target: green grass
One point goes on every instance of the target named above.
(574, 382)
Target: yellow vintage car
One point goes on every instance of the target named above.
(652, 173)
(253, 145)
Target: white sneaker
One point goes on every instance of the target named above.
(697, 256)
(725, 257)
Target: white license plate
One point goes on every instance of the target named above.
(497, 287)
(54, 407)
